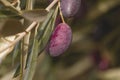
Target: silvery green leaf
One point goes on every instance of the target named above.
(47, 31)
(38, 15)
(8, 14)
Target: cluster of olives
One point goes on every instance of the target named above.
(62, 35)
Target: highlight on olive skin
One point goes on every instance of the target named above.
(70, 8)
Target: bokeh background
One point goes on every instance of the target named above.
(94, 53)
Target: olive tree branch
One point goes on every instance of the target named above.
(26, 39)
(9, 5)
(22, 34)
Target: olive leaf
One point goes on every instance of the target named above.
(10, 27)
(44, 25)
(32, 62)
(17, 72)
(5, 42)
(8, 14)
(38, 15)
(37, 44)
(16, 52)
(48, 31)
(44, 30)
(40, 32)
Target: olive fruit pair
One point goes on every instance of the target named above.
(62, 35)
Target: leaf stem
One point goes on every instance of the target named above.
(61, 13)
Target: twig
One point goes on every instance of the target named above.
(51, 5)
(7, 4)
(18, 4)
(26, 39)
(61, 13)
(21, 35)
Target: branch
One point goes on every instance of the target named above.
(20, 35)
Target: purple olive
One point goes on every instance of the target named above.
(104, 64)
(60, 40)
(70, 8)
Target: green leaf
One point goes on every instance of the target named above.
(15, 52)
(10, 27)
(42, 27)
(47, 31)
(32, 62)
(17, 72)
(10, 6)
(38, 15)
(8, 14)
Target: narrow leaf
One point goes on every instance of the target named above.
(15, 52)
(10, 27)
(42, 27)
(32, 62)
(48, 31)
(38, 15)
(17, 72)
(8, 14)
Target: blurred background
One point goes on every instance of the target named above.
(94, 53)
